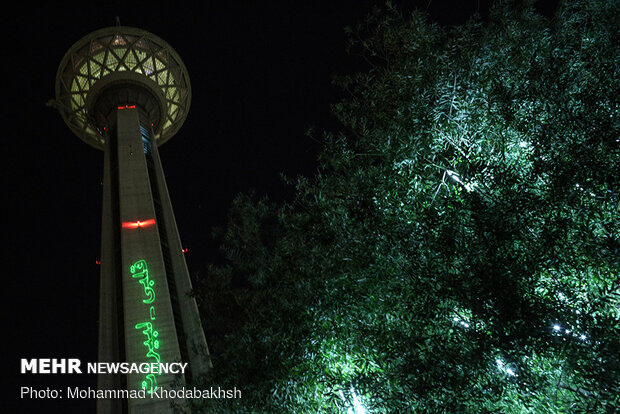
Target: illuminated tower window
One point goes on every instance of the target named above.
(146, 139)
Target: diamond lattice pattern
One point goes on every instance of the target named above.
(122, 52)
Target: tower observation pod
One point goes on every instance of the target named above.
(126, 91)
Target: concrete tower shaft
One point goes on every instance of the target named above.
(127, 92)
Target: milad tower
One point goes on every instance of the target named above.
(126, 91)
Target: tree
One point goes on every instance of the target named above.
(458, 250)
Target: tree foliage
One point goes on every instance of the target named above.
(459, 249)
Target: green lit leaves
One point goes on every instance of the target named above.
(469, 208)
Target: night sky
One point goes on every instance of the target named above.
(261, 75)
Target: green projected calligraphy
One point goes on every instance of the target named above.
(139, 270)
(151, 342)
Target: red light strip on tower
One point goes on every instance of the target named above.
(138, 224)
(127, 107)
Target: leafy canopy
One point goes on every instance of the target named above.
(458, 250)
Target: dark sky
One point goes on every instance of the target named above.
(261, 75)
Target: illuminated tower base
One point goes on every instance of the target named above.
(126, 91)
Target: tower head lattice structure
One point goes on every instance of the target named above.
(122, 65)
